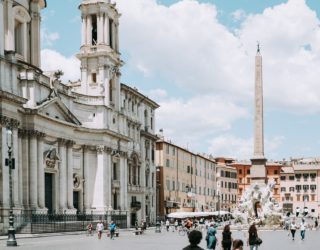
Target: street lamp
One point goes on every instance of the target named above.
(10, 162)
(158, 223)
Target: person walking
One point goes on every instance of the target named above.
(167, 225)
(253, 240)
(112, 228)
(99, 229)
(226, 238)
(237, 245)
(302, 229)
(293, 228)
(194, 238)
(211, 237)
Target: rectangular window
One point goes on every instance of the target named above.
(168, 185)
(291, 178)
(94, 77)
(173, 185)
(283, 189)
(110, 91)
(115, 171)
(152, 179)
(283, 178)
(173, 151)
(240, 171)
(167, 149)
(111, 33)
(168, 163)
(275, 172)
(291, 189)
(248, 171)
(94, 31)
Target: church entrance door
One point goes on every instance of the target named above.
(76, 202)
(49, 192)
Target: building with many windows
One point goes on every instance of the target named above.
(227, 186)
(186, 181)
(300, 180)
(85, 146)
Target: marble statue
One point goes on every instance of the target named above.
(257, 205)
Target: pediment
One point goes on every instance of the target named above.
(56, 109)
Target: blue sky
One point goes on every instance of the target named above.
(196, 58)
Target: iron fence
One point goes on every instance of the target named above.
(30, 222)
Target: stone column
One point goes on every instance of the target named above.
(89, 30)
(5, 169)
(106, 30)
(20, 170)
(9, 35)
(70, 174)
(86, 166)
(125, 162)
(35, 34)
(62, 175)
(1, 30)
(99, 193)
(100, 28)
(109, 177)
(25, 168)
(41, 184)
(33, 167)
(123, 182)
(83, 31)
(116, 34)
(15, 172)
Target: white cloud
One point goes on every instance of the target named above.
(47, 38)
(238, 15)
(193, 121)
(242, 149)
(157, 94)
(186, 44)
(52, 60)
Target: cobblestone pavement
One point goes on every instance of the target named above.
(272, 240)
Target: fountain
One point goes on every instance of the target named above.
(258, 206)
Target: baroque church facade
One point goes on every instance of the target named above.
(85, 146)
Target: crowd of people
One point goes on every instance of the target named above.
(227, 242)
(100, 227)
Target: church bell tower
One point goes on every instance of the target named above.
(99, 52)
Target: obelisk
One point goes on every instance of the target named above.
(258, 169)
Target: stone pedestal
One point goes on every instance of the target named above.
(258, 170)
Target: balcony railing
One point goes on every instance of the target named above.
(135, 189)
(136, 204)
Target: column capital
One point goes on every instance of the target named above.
(70, 143)
(62, 141)
(9, 122)
(100, 149)
(33, 133)
(108, 150)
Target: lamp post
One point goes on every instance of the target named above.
(158, 223)
(10, 162)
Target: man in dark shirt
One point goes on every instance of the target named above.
(194, 238)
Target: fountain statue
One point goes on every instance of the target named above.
(258, 206)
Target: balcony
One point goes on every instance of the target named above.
(115, 183)
(135, 189)
(136, 205)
